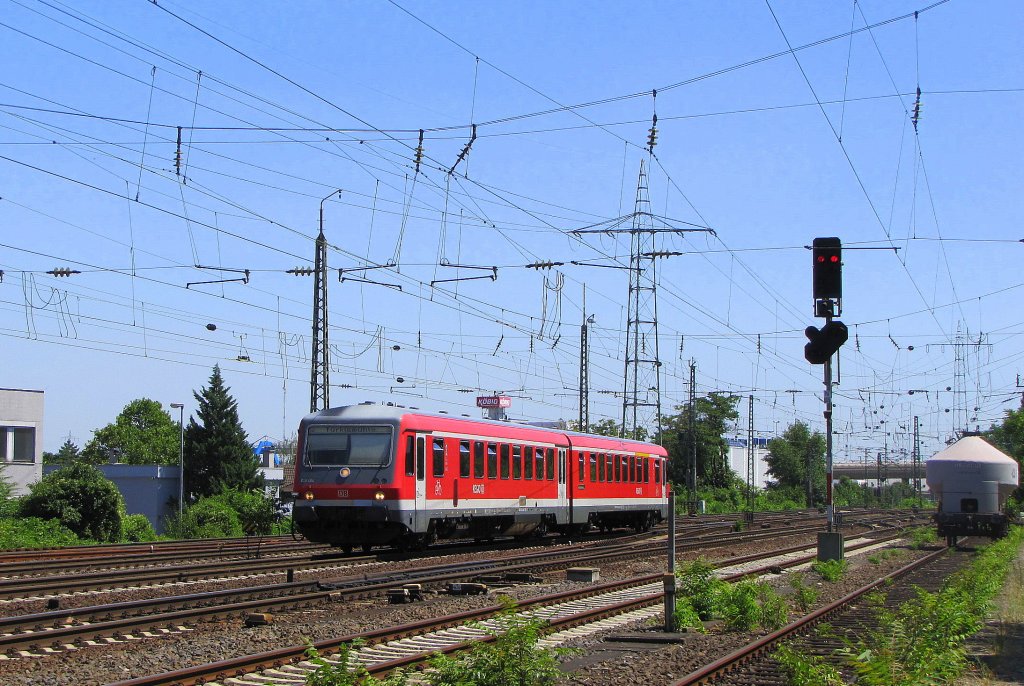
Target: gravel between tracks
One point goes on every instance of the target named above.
(219, 640)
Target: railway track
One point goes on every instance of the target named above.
(16, 584)
(400, 646)
(56, 630)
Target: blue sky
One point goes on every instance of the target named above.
(282, 103)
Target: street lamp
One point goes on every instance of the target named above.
(180, 407)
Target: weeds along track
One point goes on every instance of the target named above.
(848, 617)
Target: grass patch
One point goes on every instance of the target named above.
(923, 537)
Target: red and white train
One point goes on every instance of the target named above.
(368, 475)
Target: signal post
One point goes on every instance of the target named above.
(823, 343)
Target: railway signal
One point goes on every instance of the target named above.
(823, 343)
(827, 254)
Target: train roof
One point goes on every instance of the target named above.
(371, 411)
(973, 449)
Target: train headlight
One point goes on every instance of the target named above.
(345, 471)
(379, 495)
(308, 495)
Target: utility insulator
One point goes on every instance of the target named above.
(177, 155)
(652, 134)
(419, 152)
(63, 271)
(916, 116)
(300, 271)
(544, 265)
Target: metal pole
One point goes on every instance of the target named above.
(829, 509)
(670, 575)
(181, 455)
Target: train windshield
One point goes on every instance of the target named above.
(340, 444)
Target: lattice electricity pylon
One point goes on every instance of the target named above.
(320, 370)
(641, 397)
(641, 402)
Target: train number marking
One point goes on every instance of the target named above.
(437, 488)
(639, 490)
(478, 489)
(342, 492)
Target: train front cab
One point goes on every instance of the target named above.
(345, 484)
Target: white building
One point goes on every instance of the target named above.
(21, 437)
(738, 459)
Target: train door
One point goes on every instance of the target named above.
(421, 473)
(562, 502)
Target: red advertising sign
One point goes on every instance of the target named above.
(493, 401)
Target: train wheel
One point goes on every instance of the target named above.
(950, 541)
(367, 548)
(347, 548)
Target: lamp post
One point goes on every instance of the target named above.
(181, 456)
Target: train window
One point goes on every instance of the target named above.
(478, 459)
(410, 456)
(551, 465)
(647, 470)
(593, 467)
(609, 471)
(438, 457)
(464, 459)
(600, 467)
(503, 451)
(347, 444)
(618, 468)
(517, 462)
(538, 473)
(528, 462)
(657, 471)
(421, 458)
(632, 468)
(581, 461)
(492, 461)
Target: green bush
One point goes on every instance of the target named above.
(830, 570)
(32, 532)
(344, 670)
(81, 498)
(135, 528)
(805, 596)
(512, 659)
(256, 512)
(807, 670)
(208, 518)
(699, 587)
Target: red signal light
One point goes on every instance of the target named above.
(833, 259)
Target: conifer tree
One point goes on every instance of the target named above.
(217, 452)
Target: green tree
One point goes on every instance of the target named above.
(142, 434)
(713, 416)
(81, 498)
(67, 454)
(789, 456)
(217, 452)
(1009, 437)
